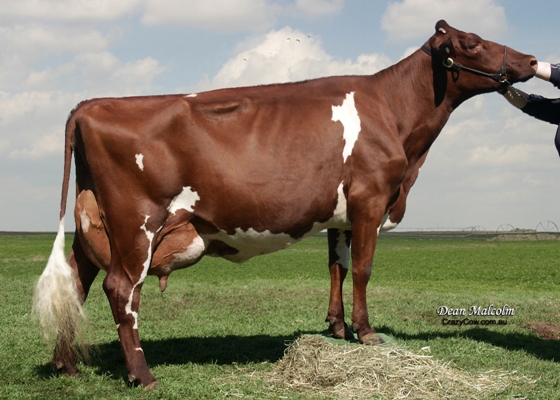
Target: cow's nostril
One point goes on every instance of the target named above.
(534, 63)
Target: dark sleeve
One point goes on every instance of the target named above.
(542, 108)
(557, 140)
(555, 75)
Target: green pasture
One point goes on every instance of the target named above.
(219, 328)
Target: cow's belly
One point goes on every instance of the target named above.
(245, 244)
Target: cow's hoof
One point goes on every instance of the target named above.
(372, 339)
(152, 385)
(342, 332)
(68, 369)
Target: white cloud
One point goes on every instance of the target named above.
(415, 19)
(136, 77)
(106, 75)
(32, 122)
(25, 47)
(288, 55)
(227, 15)
(33, 202)
(66, 10)
(51, 143)
(19, 106)
(34, 41)
(487, 132)
(504, 155)
(316, 8)
(220, 15)
(50, 60)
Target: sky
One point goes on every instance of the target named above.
(491, 165)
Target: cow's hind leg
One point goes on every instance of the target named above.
(84, 272)
(339, 259)
(131, 255)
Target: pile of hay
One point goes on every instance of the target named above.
(387, 371)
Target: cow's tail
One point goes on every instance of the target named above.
(56, 301)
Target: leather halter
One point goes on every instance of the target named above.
(500, 76)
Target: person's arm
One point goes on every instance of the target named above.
(534, 105)
(549, 72)
(557, 140)
(516, 97)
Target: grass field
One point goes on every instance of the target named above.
(219, 328)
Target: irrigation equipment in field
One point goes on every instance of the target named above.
(545, 230)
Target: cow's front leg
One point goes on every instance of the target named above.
(339, 259)
(364, 239)
(122, 286)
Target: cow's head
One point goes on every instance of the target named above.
(477, 65)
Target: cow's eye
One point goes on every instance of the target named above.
(473, 46)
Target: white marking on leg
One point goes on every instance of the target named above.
(85, 221)
(342, 251)
(184, 201)
(139, 349)
(128, 307)
(347, 114)
(140, 161)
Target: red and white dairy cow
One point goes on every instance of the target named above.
(164, 180)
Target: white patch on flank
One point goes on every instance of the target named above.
(128, 306)
(342, 251)
(184, 201)
(85, 221)
(191, 95)
(347, 114)
(140, 161)
(341, 206)
(339, 219)
(251, 243)
(388, 225)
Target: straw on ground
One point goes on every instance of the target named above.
(388, 371)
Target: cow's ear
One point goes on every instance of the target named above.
(441, 43)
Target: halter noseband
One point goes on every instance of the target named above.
(500, 76)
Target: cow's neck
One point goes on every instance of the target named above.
(429, 100)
